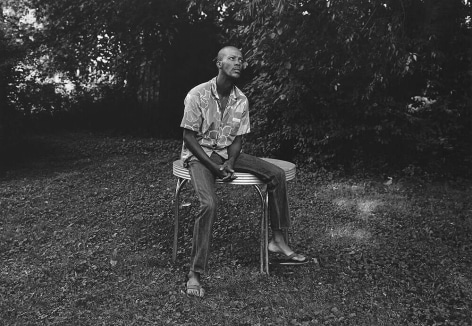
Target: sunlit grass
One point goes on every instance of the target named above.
(350, 232)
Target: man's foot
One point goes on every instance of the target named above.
(291, 258)
(195, 290)
(194, 287)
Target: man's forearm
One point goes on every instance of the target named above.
(192, 144)
(234, 149)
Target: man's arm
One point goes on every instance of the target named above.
(233, 152)
(192, 144)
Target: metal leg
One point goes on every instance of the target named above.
(264, 248)
(266, 238)
(264, 251)
(180, 183)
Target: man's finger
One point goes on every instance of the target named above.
(226, 176)
(229, 177)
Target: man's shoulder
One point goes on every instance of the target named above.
(201, 88)
(239, 93)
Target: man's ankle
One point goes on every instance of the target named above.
(194, 275)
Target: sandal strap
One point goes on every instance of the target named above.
(296, 257)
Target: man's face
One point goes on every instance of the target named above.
(232, 63)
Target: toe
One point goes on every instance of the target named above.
(299, 258)
(296, 257)
(196, 292)
(193, 292)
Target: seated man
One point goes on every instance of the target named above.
(215, 118)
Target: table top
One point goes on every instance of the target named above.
(242, 178)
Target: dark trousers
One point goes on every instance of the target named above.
(203, 182)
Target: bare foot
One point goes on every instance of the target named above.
(278, 245)
(194, 288)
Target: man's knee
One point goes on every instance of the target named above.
(280, 173)
(209, 203)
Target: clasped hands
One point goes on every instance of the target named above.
(226, 172)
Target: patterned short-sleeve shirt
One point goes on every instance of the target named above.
(215, 130)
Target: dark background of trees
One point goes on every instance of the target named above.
(357, 84)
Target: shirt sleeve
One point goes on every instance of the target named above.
(245, 126)
(192, 118)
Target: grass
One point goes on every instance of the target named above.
(86, 239)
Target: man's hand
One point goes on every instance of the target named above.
(226, 171)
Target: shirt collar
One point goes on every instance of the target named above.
(234, 92)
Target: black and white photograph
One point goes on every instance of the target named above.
(235, 162)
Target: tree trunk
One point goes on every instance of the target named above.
(3, 93)
(148, 87)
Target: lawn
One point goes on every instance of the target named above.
(86, 224)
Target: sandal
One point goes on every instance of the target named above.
(195, 290)
(291, 259)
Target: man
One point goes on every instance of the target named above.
(215, 118)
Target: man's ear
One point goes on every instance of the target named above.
(218, 64)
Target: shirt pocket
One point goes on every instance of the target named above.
(235, 125)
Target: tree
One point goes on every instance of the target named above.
(338, 81)
(14, 42)
(330, 81)
(130, 41)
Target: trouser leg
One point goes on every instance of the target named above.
(203, 182)
(274, 177)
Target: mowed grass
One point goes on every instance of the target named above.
(86, 226)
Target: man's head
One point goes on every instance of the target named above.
(230, 62)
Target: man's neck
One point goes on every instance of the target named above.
(224, 85)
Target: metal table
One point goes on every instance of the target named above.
(245, 179)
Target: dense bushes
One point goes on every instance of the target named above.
(371, 83)
(361, 81)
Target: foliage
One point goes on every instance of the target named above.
(86, 239)
(113, 36)
(330, 82)
(14, 41)
(127, 49)
(372, 80)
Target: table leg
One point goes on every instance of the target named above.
(264, 251)
(180, 183)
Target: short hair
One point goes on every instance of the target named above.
(219, 57)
